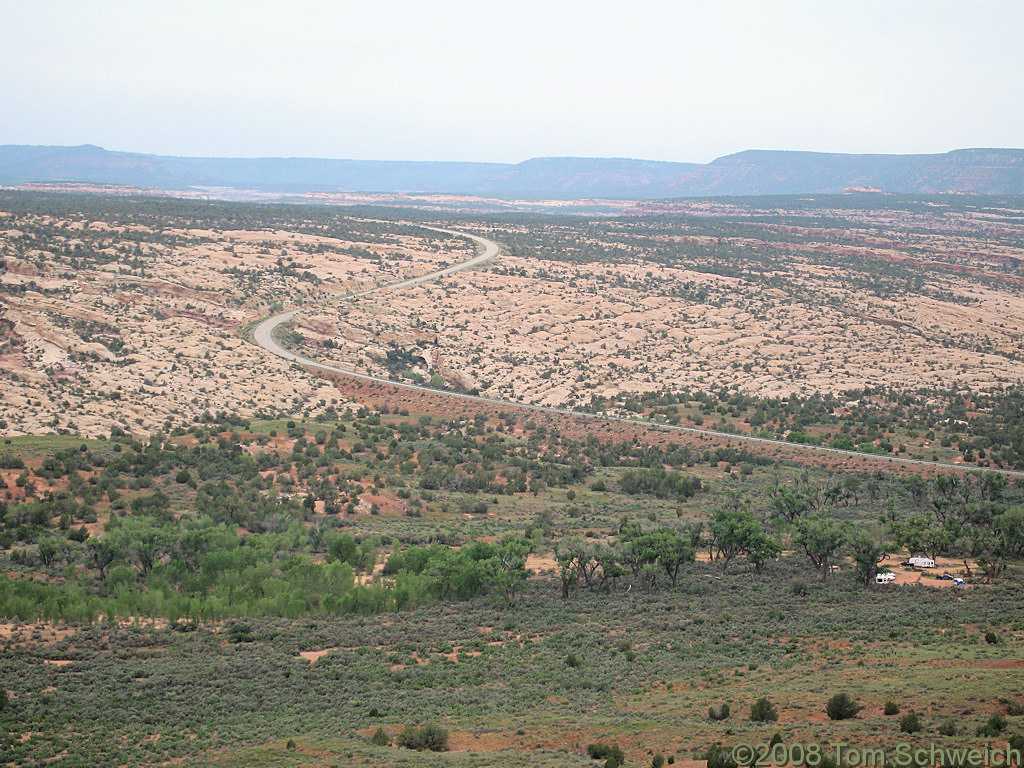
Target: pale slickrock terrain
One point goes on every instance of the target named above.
(137, 326)
(668, 307)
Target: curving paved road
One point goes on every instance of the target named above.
(263, 335)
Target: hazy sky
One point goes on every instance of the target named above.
(505, 81)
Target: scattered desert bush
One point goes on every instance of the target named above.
(842, 707)
(428, 737)
(910, 723)
(718, 712)
(763, 711)
(601, 751)
(993, 727)
(718, 756)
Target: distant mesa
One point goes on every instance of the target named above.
(754, 172)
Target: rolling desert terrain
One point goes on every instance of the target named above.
(131, 324)
(214, 556)
(645, 306)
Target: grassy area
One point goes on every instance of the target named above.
(531, 685)
(28, 447)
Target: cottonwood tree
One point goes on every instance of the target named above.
(661, 550)
(737, 532)
(509, 567)
(143, 543)
(103, 553)
(791, 503)
(576, 562)
(869, 549)
(821, 537)
(608, 557)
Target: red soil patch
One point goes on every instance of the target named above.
(540, 563)
(928, 577)
(314, 656)
(387, 504)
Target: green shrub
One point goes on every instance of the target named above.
(891, 708)
(991, 638)
(949, 727)
(718, 756)
(718, 712)
(600, 751)
(763, 711)
(658, 760)
(240, 633)
(381, 738)
(7, 461)
(993, 726)
(429, 737)
(910, 723)
(842, 707)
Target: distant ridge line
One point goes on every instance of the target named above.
(752, 172)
